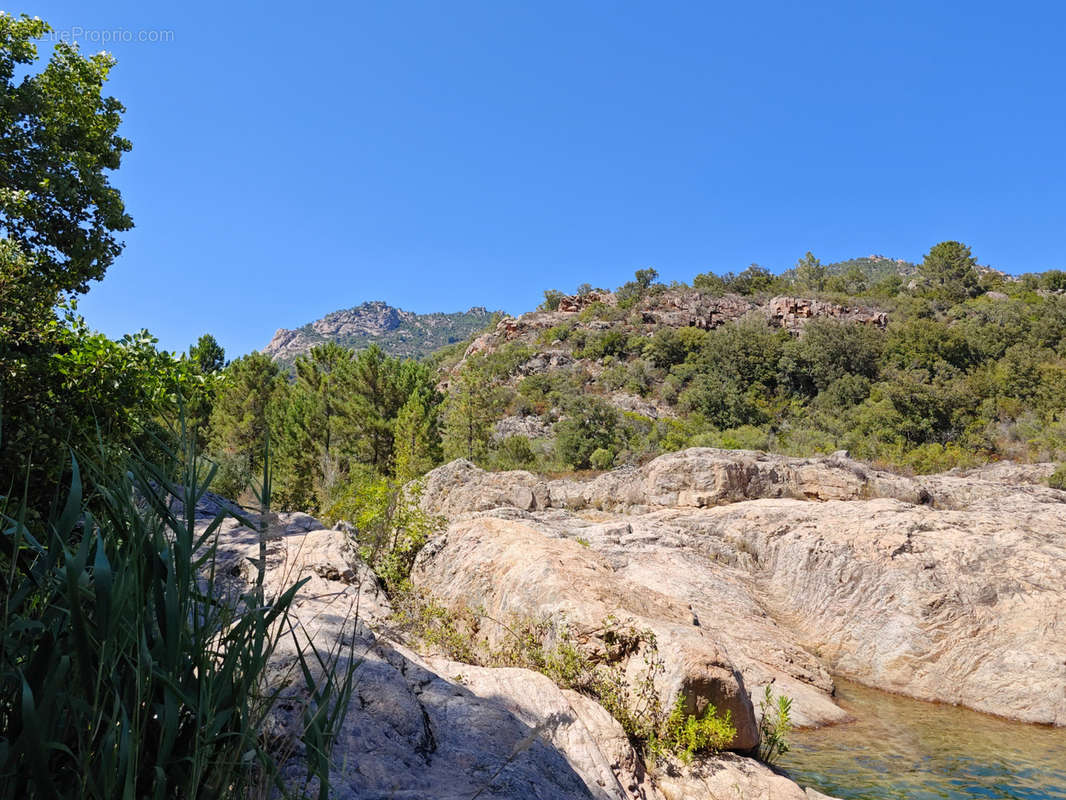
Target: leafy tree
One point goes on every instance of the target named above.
(853, 281)
(722, 401)
(829, 350)
(297, 458)
(948, 273)
(58, 215)
(632, 292)
(753, 280)
(552, 299)
(590, 425)
(58, 139)
(710, 283)
(323, 377)
(644, 278)
(927, 344)
(206, 358)
(665, 348)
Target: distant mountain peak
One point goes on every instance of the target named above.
(396, 331)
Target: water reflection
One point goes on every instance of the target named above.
(901, 748)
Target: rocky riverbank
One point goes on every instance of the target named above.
(748, 569)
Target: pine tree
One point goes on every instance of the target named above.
(469, 412)
(375, 402)
(810, 273)
(414, 438)
(322, 410)
(207, 358)
(239, 419)
(948, 272)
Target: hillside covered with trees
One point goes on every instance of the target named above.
(947, 364)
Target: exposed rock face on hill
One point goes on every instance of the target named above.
(674, 308)
(945, 588)
(397, 332)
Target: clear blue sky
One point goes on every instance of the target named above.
(292, 159)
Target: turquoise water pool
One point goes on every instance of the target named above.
(903, 748)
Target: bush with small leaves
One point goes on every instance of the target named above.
(601, 459)
(1057, 480)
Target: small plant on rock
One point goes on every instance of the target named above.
(1057, 480)
(775, 725)
(684, 735)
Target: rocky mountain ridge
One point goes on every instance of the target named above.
(398, 332)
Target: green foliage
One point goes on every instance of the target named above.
(810, 275)
(207, 355)
(828, 351)
(552, 299)
(601, 459)
(345, 409)
(644, 278)
(555, 333)
(124, 670)
(70, 387)
(710, 283)
(683, 735)
(666, 348)
(434, 626)
(416, 437)
(472, 406)
(632, 292)
(58, 140)
(514, 452)
(239, 420)
(590, 425)
(600, 345)
(775, 724)
(388, 525)
(947, 273)
(754, 280)
(1057, 479)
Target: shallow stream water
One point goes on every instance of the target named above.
(903, 748)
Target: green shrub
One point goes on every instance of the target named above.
(684, 735)
(601, 459)
(590, 425)
(123, 671)
(388, 525)
(552, 299)
(774, 726)
(233, 477)
(1057, 480)
(514, 452)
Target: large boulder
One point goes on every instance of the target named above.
(511, 570)
(420, 727)
(943, 587)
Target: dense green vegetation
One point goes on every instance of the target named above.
(970, 368)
